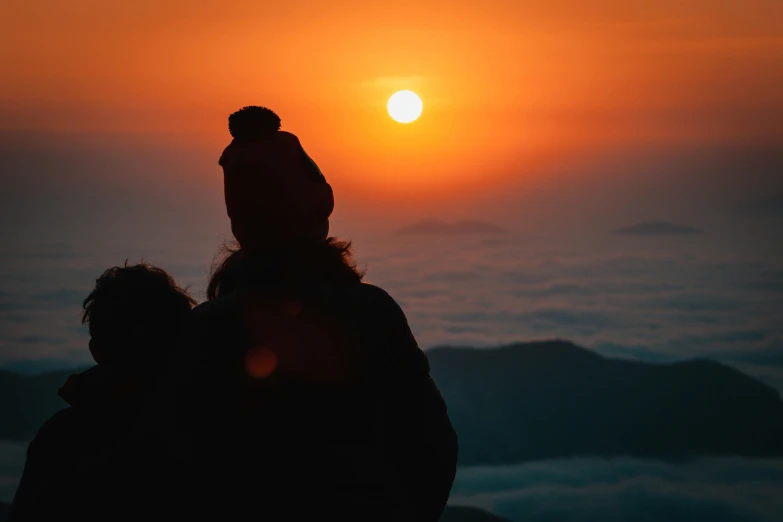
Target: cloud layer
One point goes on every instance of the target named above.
(597, 490)
(654, 299)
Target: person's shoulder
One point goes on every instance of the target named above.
(370, 291)
(62, 419)
(370, 295)
(62, 425)
(211, 309)
(202, 310)
(375, 302)
(210, 319)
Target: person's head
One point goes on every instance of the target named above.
(134, 315)
(273, 189)
(302, 264)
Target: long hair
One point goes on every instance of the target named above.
(289, 265)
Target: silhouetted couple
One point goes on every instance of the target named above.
(295, 392)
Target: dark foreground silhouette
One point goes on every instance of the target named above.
(316, 401)
(549, 399)
(299, 391)
(325, 397)
(295, 392)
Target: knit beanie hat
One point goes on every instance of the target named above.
(273, 189)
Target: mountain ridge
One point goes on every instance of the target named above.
(554, 399)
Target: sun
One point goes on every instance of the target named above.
(404, 106)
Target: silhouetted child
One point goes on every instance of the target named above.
(134, 315)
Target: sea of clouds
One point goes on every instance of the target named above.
(620, 490)
(655, 299)
(652, 298)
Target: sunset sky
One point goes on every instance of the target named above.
(506, 85)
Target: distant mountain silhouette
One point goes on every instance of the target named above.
(451, 514)
(767, 206)
(437, 228)
(545, 400)
(656, 228)
(554, 399)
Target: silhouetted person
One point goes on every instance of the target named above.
(134, 315)
(301, 391)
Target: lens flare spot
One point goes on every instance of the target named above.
(260, 362)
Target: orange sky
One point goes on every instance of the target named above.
(504, 83)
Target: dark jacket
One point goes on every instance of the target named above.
(74, 470)
(365, 439)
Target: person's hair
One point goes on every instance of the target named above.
(135, 312)
(283, 266)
